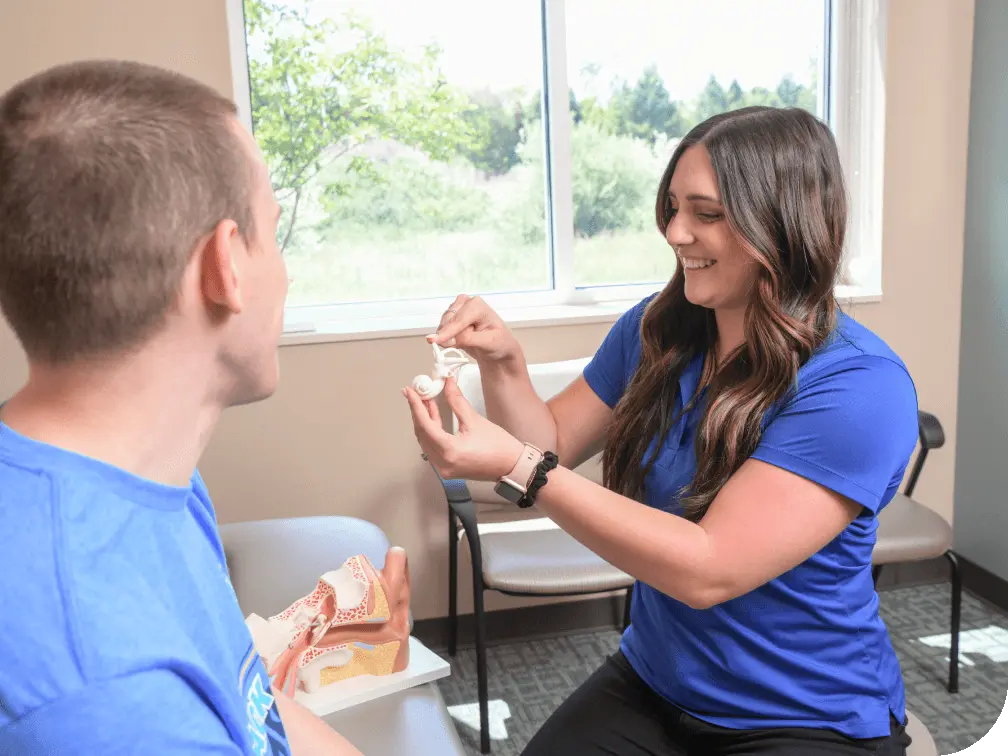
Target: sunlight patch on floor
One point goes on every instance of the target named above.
(990, 641)
(498, 712)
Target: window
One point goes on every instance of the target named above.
(513, 149)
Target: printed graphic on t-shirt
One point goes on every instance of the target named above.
(266, 732)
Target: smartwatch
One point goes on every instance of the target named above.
(514, 485)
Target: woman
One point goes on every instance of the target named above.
(751, 433)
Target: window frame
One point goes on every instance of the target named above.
(852, 101)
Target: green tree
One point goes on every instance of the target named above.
(577, 114)
(597, 115)
(712, 100)
(762, 96)
(789, 92)
(736, 97)
(313, 103)
(405, 194)
(613, 183)
(645, 111)
(496, 126)
(532, 113)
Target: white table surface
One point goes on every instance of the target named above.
(412, 722)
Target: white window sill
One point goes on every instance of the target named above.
(541, 316)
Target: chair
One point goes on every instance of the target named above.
(513, 551)
(909, 531)
(272, 563)
(922, 743)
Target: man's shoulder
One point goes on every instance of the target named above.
(37, 650)
(103, 587)
(29, 520)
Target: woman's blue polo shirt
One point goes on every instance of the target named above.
(807, 649)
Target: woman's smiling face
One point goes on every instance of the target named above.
(719, 273)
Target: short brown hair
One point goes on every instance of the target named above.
(110, 172)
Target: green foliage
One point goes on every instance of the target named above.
(358, 135)
(406, 193)
(598, 116)
(314, 101)
(645, 111)
(496, 127)
(613, 182)
(532, 112)
(521, 210)
(716, 99)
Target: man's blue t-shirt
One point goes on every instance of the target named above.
(808, 649)
(119, 629)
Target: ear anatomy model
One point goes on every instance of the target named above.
(355, 622)
(446, 363)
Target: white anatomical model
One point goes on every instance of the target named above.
(446, 362)
(355, 622)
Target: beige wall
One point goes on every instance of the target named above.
(336, 437)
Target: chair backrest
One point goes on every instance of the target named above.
(548, 380)
(932, 436)
(272, 563)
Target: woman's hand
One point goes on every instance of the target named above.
(471, 325)
(479, 450)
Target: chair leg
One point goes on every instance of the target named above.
(481, 661)
(452, 583)
(875, 572)
(627, 599)
(953, 681)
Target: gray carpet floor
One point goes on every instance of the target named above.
(528, 680)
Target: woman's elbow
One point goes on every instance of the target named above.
(703, 599)
(706, 593)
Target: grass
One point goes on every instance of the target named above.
(380, 265)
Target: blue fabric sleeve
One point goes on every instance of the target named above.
(609, 371)
(153, 712)
(851, 428)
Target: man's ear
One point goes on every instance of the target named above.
(219, 274)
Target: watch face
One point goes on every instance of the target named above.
(509, 492)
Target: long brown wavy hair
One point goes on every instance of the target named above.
(782, 187)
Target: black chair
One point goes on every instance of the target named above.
(513, 552)
(908, 532)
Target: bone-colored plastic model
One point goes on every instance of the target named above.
(355, 622)
(447, 361)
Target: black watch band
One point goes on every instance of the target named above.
(549, 462)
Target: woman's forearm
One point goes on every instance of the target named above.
(513, 404)
(667, 552)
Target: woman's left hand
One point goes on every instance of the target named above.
(479, 450)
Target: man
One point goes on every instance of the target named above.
(139, 271)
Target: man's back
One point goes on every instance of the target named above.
(150, 303)
(120, 632)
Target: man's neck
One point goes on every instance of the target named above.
(149, 416)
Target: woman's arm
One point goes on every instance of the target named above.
(571, 424)
(764, 522)
(830, 452)
(513, 404)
